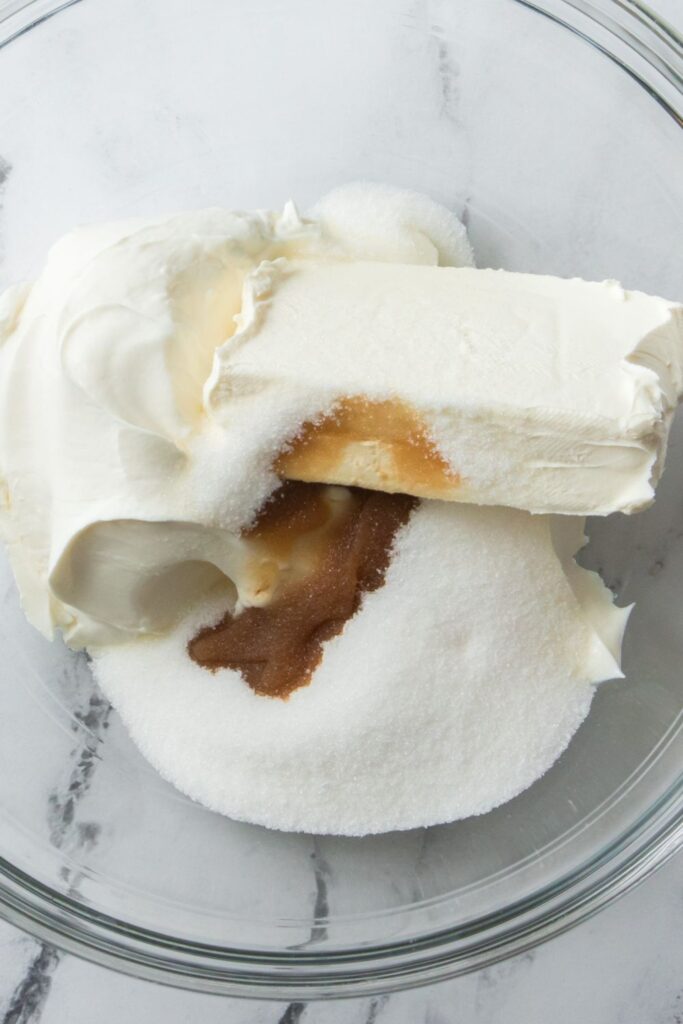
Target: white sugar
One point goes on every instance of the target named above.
(455, 686)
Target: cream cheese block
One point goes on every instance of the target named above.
(480, 386)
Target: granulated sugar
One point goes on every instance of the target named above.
(455, 686)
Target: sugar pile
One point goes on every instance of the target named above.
(457, 684)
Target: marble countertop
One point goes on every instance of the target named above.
(624, 966)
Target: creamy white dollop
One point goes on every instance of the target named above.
(121, 499)
(154, 371)
(541, 393)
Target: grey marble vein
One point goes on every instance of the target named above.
(5, 170)
(492, 981)
(465, 211)
(447, 72)
(91, 719)
(421, 854)
(63, 800)
(29, 998)
(375, 1007)
(293, 1014)
(321, 903)
(434, 1016)
(321, 907)
(427, 16)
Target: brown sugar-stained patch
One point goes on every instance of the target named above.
(383, 445)
(278, 647)
(290, 535)
(319, 554)
(288, 516)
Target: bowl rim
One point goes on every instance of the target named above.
(647, 48)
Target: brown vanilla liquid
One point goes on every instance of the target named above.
(317, 450)
(278, 647)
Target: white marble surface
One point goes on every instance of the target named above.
(624, 966)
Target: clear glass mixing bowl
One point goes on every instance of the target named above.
(555, 129)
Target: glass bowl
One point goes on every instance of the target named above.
(554, 128)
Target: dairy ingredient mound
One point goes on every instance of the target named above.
(156, 376)
(124, 490)
(160, 379)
